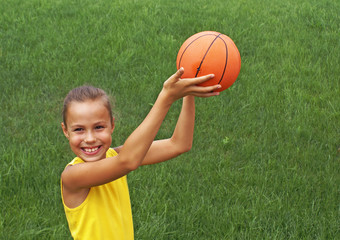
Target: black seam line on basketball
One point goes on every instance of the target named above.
(199, 67)
(226, 60)
(179, 63)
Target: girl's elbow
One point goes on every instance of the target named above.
(133, 166)
(129, 163)
(180, 147)
(185, 148)
(188, 148)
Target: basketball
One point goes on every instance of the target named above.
(210, 52)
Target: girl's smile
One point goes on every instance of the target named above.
(91, 150)
(89, 128)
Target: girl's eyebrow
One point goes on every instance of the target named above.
(99, 122)
(76, 126)
(80, 125)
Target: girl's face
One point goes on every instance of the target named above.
(89, 129)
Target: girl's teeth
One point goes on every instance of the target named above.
(91, 149)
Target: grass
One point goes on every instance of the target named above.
(265, 162)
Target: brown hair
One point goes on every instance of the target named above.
(84, 93)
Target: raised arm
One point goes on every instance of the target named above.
(181, 139)
(136, 147)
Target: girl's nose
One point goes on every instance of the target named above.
(90, 138)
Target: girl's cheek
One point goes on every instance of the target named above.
(75, 139)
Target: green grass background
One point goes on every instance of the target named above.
(265, 161)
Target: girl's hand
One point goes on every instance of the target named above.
(176, 88)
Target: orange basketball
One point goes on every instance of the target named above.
(210, 52)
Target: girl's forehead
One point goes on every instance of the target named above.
(89, 109)
(89, 102)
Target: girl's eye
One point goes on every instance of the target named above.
(78, 129)
(99, 127)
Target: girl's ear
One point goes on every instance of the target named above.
(64, 130)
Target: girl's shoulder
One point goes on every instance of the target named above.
(75, 161)
(111, 153)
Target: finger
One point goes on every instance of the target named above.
(201, 79)
(205, 95)
(179, 73)
(208, 89)
(174, 77)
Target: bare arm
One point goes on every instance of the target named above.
(136, 147)
(181, 140)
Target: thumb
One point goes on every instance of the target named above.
(179, 73)
(176, 76)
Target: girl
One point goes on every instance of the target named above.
(93, 186)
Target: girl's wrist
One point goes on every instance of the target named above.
(165, 98)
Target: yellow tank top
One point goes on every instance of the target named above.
(105, 213)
